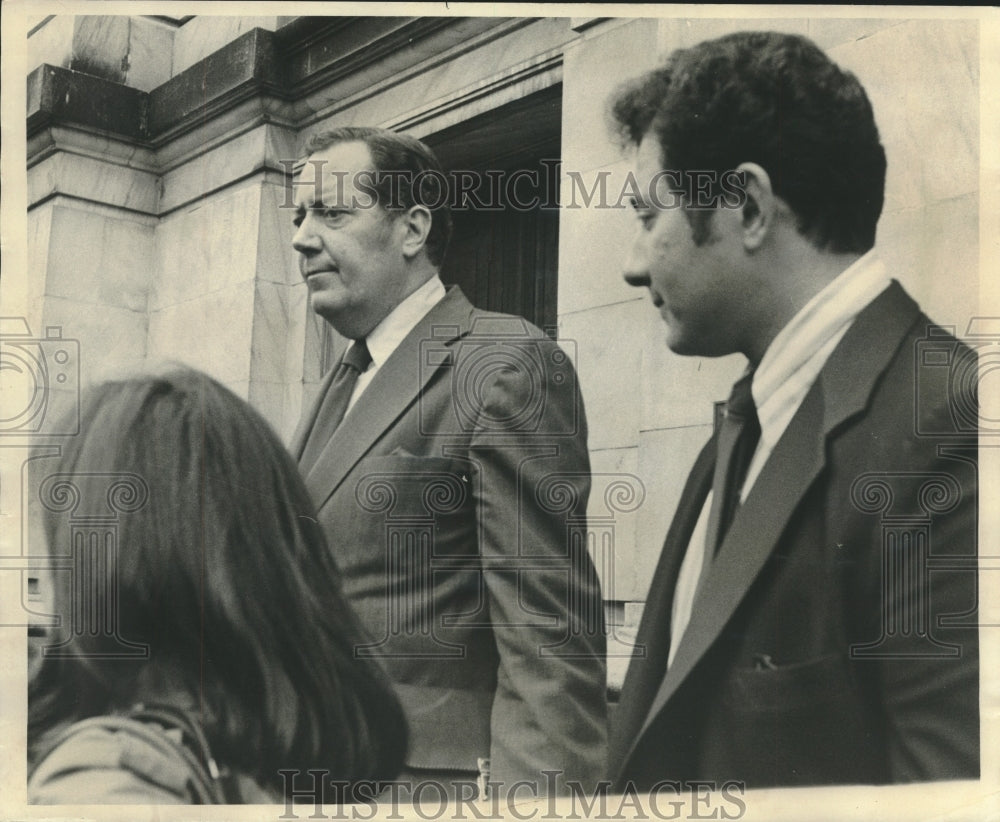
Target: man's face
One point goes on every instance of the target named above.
(691, 284)
(349, 248)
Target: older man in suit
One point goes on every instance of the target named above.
(447, 456)
(812, 617)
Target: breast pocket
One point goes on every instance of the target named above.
(788, 687)
(797, 723)
(406, 486)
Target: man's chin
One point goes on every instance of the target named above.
(344, 319)
(333, 312)
(677, 342)
(686, 346)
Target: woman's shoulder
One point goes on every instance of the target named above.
(115, 760)
(110, 760)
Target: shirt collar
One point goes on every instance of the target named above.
(388, 334)
(828, 313)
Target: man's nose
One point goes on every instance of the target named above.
(635, 270)
(305, 240)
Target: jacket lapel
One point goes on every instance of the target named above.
(840, 392)
(791, 469)
(652, 644)
(393, 389)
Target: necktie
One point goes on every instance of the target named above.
(739, 434)
(334, 407)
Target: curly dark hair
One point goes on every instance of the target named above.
(419, 178)
(776, 100)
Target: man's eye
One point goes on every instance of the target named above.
(333, 215)
(646, 218)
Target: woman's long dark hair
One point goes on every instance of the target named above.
(225, 575)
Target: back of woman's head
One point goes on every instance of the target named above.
(223, 573)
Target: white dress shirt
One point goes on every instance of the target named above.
(788, 369)
(388, 334)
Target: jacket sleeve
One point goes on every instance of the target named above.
(921, 654)
(530, 448)
(932, 698)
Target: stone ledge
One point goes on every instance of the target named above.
(245, 67)
(58, 95)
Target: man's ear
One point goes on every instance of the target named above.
(759, 209)
(417, 224)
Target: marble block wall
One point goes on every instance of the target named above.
(145, 265)
(227, 298)
(650, 411)
(89, 275)
(202, 35)
(83, 298)
(927, 110)
(201, 302)
(136, 51)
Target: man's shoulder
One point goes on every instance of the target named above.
(497, 323)
(897, 304)
(479, 322)
(932, 352)
(945, 381)
(911, 369)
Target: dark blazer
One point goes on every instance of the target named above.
(453, 495)
(834, 640)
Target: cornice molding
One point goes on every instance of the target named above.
(246, 67)
(277, 69)
(547, 66)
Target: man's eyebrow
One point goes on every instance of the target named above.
(320, 205)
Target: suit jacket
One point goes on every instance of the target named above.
(834, 639)
(453, 495)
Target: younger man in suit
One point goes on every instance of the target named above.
(447, 456)
(812, 617)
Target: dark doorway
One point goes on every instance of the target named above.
(505, 249)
